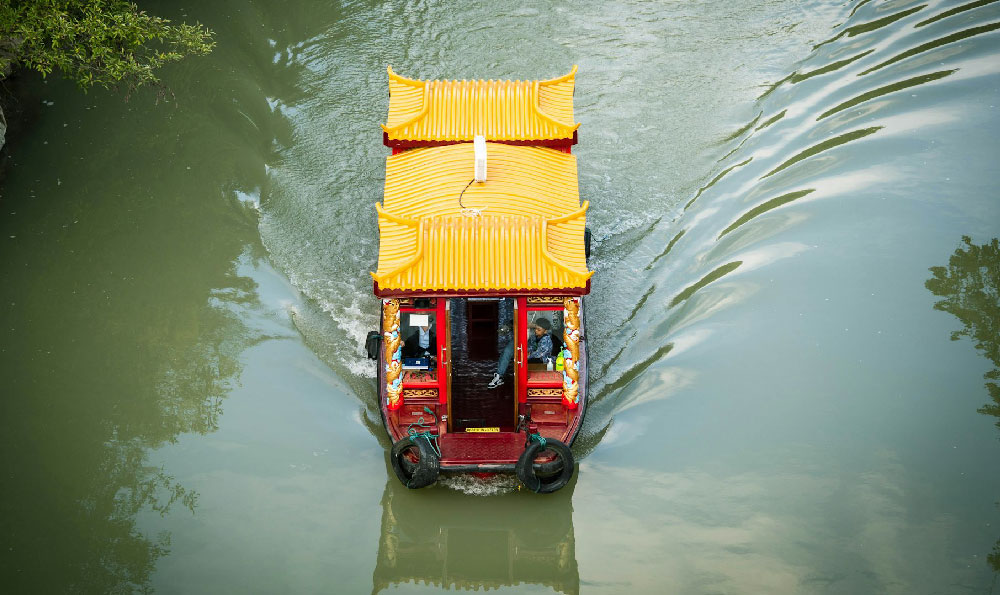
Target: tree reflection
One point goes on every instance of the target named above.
(118, 334)
(123, 312)
(970, 286)
(79, 424)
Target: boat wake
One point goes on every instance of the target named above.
(847, 124)
(696, 229)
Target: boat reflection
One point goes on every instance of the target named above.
(970, 288)
(445, 538)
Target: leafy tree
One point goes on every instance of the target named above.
(110, 43)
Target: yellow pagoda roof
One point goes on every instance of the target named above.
(522, 229)
(503, 111)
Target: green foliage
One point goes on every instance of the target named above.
(110, 43)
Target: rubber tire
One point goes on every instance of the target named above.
(525, 467)
(586, 242)
(547, 470)
(372, 342)
(426, 470)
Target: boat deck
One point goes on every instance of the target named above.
(461, 451)
(499, 448)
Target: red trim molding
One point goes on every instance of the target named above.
(522, 346)
(555, 143)
(442, 336)
(395, 293)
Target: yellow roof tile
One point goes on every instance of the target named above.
(520, 181)
(489, 252)
(454, 111)
(523, 228)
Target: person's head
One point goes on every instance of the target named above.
(542, 326)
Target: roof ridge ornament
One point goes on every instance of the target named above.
(479, 146)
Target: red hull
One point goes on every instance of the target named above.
(494, 452)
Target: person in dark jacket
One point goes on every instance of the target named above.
(540, 341)
(421, 343)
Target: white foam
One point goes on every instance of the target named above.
(251, 198)
(473, 485)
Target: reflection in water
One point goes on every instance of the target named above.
(930, 45)
(139, 387)
(954, 11)
(767, 206)
(125, 314)
(824, 146)
(716, 179)
(970, 286)
(778, 169)
(898, 86)
(715, 275)
(855, 30)
(446, 539)
(127, 308)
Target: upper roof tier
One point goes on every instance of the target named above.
(521, 230)
(520, 112)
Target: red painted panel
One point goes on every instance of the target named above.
(548, 413)
(395, 293)
(443, 339)
(563, 144)
(411, 413)
(521, 353)
(460, 447)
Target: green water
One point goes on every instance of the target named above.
(794, 347)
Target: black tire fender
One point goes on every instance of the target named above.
(421, 474)
(372, 342)
(545, 478)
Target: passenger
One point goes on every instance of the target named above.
(540, 342)
(539, 350)
(505, 336)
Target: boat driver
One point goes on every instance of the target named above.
(421, 343)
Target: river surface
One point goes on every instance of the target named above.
(794, 328)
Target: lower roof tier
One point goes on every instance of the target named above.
(521, 230)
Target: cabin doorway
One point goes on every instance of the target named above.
(481, 329)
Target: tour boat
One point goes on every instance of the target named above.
(482, 269)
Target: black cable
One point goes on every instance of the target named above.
(463, 192)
